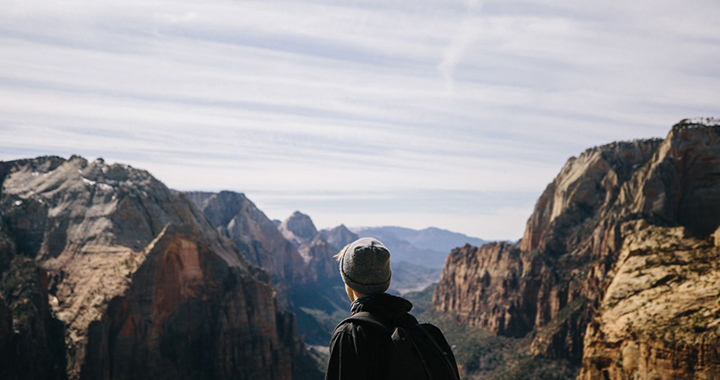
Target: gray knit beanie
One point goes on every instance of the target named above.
(365, 266)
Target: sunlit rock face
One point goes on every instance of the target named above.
(625, 232)
(317, 248)
(142, 282)
(255, 235)
(660, 317)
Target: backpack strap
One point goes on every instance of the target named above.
(442, 352)
(364, 316)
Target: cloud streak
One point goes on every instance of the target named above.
(467, 32)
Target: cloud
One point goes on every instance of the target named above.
(467, 32)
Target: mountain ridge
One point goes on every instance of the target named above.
(620, 228)
(135, 274)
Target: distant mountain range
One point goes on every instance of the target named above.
(427, 247)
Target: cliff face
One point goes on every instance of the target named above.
(255, 235)
(338, 237)
(31, 338)
(143, 283)
(477, 282)
(660, 318)
(566, 279)
(314, 247)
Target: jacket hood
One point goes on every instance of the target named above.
(390, 309)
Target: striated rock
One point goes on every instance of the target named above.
(257, 237)
(481, 285)
(185, 309)
(660, 318)
(320, 259)
(586, 188)
(575, 254)
(145, 285)
(682, 183)
(298, 229)
(316, 251)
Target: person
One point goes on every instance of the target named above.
(360, 350)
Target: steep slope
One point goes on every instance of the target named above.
(338, 237)
(144, 285)
(321, 303)
(317, 252)
(574, 255)
(31, 337)
(255, 235)
(660, 317)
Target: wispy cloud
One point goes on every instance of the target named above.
(467, 32)
(305, 104)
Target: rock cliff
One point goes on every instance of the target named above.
(255, 235)
(142, 283)
(623, 233)
(314, 247)
(338, 237)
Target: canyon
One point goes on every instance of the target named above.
(106, 273)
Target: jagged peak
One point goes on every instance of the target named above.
(300, 225)
(341, 228)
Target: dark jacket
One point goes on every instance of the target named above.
(358, 351)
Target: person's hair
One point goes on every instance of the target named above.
(340, 254)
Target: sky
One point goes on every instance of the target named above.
(454, 114)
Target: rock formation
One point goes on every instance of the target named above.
(31, 338)
(338, 237)
(660, 317)
(313, 246)
(255, 235)
(616, 263)
(143, 284)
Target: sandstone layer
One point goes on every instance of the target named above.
(255, 235)
(566, 282)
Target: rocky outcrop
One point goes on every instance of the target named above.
(477, 283)
(255, 235)
(299, 229)
(143, 283)
(316, 251)
(338, 237)
(574, 254)
(660, 318)
(31, 338)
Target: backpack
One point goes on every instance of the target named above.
(418, 352)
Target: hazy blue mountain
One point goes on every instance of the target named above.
(427, 247)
